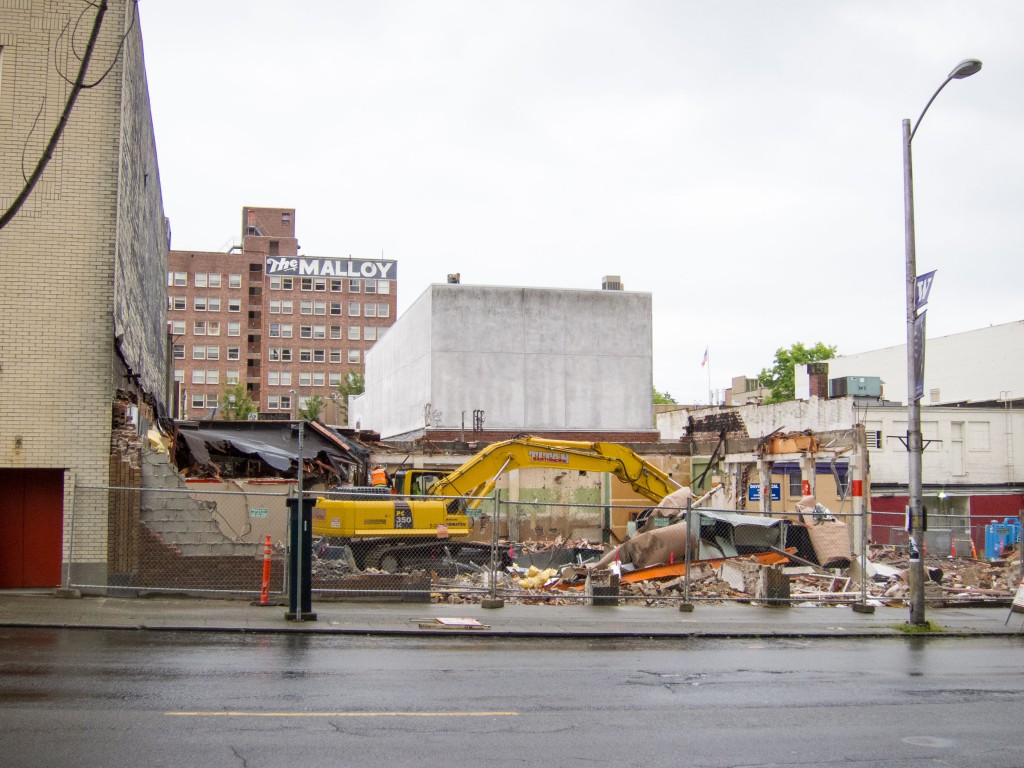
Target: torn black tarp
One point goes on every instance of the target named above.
(262, 449)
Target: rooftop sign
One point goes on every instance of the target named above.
(302, 266)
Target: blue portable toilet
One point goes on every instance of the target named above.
(999, 536)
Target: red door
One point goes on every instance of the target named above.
(31, 524)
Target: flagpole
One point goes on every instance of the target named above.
(709, 376)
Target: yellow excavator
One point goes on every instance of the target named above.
(422, 518)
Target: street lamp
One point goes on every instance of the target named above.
(915, 358)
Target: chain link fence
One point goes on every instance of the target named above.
(211, 538)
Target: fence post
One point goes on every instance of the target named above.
(687, 605)
(66, 590)
(494, 601)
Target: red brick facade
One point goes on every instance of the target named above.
(286, 338)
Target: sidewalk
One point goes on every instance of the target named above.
(44, 609)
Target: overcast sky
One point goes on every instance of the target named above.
(740, 160)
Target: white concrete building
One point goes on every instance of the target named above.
(511, 360)
(980, 365)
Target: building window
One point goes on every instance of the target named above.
(353, 355)
(199, 352)
(286, 354)
(234, 281)
(978, 436)
(273, 402)
(199, 303)
(383, 287)
(200, 279)
(319, 355)
(286, 402)
(318, 378)
(286, 378)
(335, 307)
(198, 377)
(213, 328)
(275, 306)
(178, 328)
(273, 354)
(305, 355)
(334, 379)
(370, 286)
(337, 285)
(286, 218)
(234, 305)
(796, 488)
(234, 329)
(177, 302)
(335, 331)
(319, 307)
(305, 331)
(273, 378)
(319, 331)
(199, 328)
(275, 248)
(319, 283)
(179, 375)
(370, 333)
(213, 377)
(286, 330)
(383, 310)
(305, 379)
(179, 351)
(213, 353)
(275, 330)
(177, 279)
(214, 280)
(336, 356)
(234, 353)
(231, 377)
(213, 305)
(355, 285)
(353, 309)
(306, 284)
(198, 401)
(369, 310)
(353, 333)
(305, 307)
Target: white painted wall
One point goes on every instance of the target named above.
(530, 358)
(976, 365)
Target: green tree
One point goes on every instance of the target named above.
(663, 398)
(238, 404)
(780, 378)
(313, 409)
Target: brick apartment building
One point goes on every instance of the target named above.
(287, 326)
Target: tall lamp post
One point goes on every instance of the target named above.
(915, 359)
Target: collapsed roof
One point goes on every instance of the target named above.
(229, 449)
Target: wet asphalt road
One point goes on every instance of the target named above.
(134, 698)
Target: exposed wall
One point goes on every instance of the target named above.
(531, 359)
(140, 304)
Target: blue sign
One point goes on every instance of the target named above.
(923, 287)
(754, 492)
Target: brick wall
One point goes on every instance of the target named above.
(58, 366)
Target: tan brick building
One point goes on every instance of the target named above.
(287, 326)
(82, 299)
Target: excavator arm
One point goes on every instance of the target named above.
(476, 479)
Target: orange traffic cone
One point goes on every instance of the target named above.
(974, 551)
(952, 549)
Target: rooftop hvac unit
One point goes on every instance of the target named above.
(860, 386)
(611, 283)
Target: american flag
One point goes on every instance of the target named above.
(704, 360)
